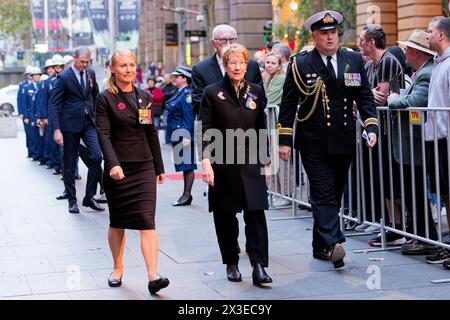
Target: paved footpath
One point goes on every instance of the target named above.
(47, 253)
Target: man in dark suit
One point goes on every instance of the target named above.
(211, 70)
(73, 100)
(326, 81)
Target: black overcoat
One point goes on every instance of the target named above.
(237, 186)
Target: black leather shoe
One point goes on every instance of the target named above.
(114, 282)
(233, 273)
(78, 177)
(73, 208)
(337, 254)
(64, 196)
(259, 275)
(321, 254)
(158, 284)
(184, 203)
(91, 203)
(48, 166)
(101, 199)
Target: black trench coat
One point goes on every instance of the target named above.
(237, 187)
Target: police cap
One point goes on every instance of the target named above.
(182, 71)
(324, 20)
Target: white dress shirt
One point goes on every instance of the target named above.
(77, 74)
(333, 62)
(222, 68)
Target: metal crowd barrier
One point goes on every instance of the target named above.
(364, 200)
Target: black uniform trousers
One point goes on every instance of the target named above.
(70, 154)
(327, 176)
(257, 243)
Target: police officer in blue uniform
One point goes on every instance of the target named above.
(30, 112)
(21, 97)
(180, 127)
(51, 149)
(325, 82)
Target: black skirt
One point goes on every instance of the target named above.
(132, 200)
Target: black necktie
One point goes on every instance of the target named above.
(330, 67)
(83, 85)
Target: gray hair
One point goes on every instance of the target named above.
(443, 25)
(375, 32)
(284, 49)
(222, 27)
(81, 51)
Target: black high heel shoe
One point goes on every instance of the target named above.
(259, 275)
(184, 203)
(113, 283)
(158, 284)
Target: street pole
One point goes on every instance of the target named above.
(46, 31)
(112, 29)
(70, 17)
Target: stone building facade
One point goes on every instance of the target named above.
(247, 16)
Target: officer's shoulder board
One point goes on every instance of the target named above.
(302, 53)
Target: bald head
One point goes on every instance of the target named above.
(222, 35)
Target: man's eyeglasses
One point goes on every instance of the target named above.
(226, 40)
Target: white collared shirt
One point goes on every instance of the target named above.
(222, 68)
(77, 74)
(438, 97)
(333, 62)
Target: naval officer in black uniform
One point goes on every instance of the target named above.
(324, 83)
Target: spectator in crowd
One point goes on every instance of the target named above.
(180, 128)
(270, 44)
(259, 56)
(76, 89)
(159, 70)
(133, 165)
(211, 70)
(235, 103)
(284, 51)
(157, 100)
(325, 134)
(385, 74)
(399, 54)
(273, 86)
(420, 57)
(438, 97)
(139, 76)
(152, 69)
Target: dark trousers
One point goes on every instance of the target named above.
(327, 176)
(70, 154)
(28, 135)
(419, 201)
(257, 243)
(85, 157)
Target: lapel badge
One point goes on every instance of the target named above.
(314, 75)
(221, 96)
(120, 106)
(308, 75)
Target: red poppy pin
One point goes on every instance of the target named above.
(121, 106)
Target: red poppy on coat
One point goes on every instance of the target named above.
(120, 106)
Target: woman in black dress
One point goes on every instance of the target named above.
(133, 165)
(234, 169)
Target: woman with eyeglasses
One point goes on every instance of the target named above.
(232, 112)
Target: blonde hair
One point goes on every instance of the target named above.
(234, 48)
(110, 78)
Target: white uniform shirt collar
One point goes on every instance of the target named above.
(222, 68)
(333, 61)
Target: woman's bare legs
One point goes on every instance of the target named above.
(116, 239)
(149, 247)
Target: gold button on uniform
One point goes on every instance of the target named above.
(345, 108)
(345, 123)
(345, 99)
(328, 116)
(345, 116)
(328, 124)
